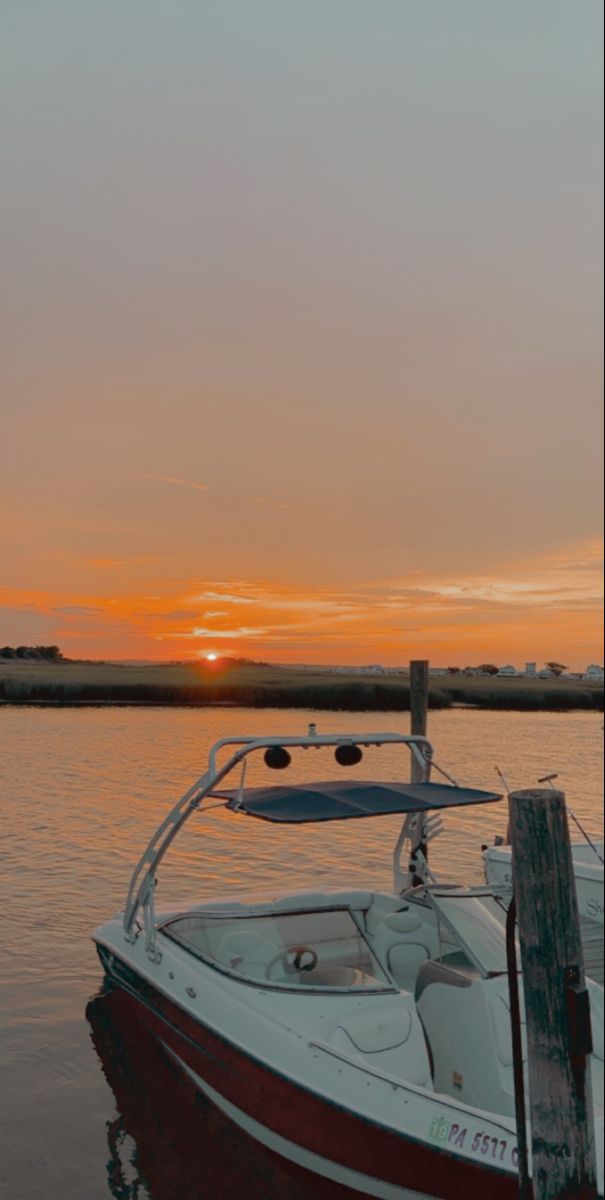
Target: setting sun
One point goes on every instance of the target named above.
(211, 656)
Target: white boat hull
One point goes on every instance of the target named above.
(588, 874)
(373, 1134)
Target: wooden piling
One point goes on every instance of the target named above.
(419, 703)
(556, 999)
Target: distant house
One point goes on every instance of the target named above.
(530, 669)
(508, 670)
(593, 673)
(372, 669)
(472, 671)
(546, 674)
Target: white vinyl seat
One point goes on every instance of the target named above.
(499, 1007)
(389, 1040)
(399, 945)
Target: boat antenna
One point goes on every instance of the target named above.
(502, 779)
(549, 780)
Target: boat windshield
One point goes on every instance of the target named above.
(474, 922)
(318, 950)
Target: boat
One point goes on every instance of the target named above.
(587, 859)
(364, 1036)
(165, 1141)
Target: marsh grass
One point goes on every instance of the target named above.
(264, 686)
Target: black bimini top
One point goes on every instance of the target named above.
(338, 800)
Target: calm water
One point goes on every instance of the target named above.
(85, 1112)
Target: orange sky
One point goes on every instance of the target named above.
(300, 329)
(525, 614)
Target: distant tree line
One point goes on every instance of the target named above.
(38, 653)
(485, 668)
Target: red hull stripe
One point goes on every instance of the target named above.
(305, 1118)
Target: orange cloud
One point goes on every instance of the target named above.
(186, 483)
(526, 611)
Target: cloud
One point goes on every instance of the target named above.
(224, 597)
(26, 625)
(522, 611)
(125, 561)
(242, 631)
(174, 614)
(588, 556)
(186, 483)
(270, 503)
(77, 610)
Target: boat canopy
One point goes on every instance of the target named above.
(339, 800)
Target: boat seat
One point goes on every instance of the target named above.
(246, 952)
(389, 1039)
(467, 1026)
(499, 1008)
(399, 943)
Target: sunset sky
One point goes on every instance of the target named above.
(301, 329)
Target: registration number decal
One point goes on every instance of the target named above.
(449, 1133)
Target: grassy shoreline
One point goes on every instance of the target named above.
(68, 684)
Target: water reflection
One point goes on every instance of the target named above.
(168, 1142)
(81, 791)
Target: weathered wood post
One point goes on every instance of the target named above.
(556, 1000)
(419, 703)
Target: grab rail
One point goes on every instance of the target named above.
(142, 883)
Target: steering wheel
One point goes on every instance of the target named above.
(293, 960)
